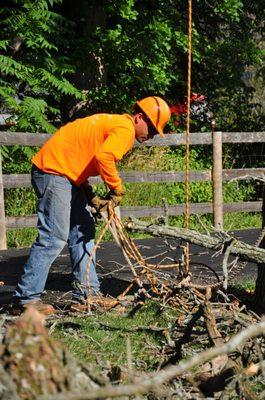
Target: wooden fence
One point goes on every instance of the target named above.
(217, 176)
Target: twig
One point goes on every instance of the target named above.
(225, 261)
(129, 354)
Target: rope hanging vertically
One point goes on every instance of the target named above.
(187, 179)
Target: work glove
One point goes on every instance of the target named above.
(99, 204)
(115, 196)
(93, 200)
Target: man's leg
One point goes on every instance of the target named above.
(54, 194)
(81, 243)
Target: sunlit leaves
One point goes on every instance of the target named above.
(34, 66)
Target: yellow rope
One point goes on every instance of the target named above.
(187, 180)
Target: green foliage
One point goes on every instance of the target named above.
(23, 201)
(123, 50)
(17, 159)
(232, 221)
(23, 237)
(162, 159)
(20, 201)
(34, 68)
(149, 40)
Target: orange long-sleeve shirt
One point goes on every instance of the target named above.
(88, 147)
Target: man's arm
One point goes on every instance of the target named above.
(118, 143)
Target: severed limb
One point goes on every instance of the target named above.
(215, 242)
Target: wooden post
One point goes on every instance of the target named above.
(3, 245)
(217, 180)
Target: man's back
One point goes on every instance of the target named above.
(77, 149)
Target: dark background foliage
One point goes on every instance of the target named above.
(74, 58)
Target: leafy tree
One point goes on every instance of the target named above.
(35, 67)
(117, 51)
(142, 48)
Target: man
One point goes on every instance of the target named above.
(86, 147)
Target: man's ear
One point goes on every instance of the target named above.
(139, 117)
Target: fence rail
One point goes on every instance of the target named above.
(196, 138)
(217, 175)
(146, 211)
(23, 180)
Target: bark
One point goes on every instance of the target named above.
(33, 363)
(218, 242)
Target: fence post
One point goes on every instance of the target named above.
(217, 179)
(3, 245)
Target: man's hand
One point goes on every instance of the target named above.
(115, 196)
(98, 203)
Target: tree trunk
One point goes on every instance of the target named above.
(260, 282)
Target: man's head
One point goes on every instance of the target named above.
(151, 114)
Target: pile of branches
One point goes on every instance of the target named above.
(208, 318)
(213, 350)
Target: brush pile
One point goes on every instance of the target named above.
(213, 349)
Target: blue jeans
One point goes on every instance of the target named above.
(63, 217)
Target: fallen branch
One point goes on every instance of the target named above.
(217, 243)
(149, 383)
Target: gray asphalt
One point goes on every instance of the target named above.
(111, 267)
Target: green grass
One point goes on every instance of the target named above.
(248, 286)
(237, 221)
(104, 337)
(232, 221)
(23, 237)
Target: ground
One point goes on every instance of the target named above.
(110, 266)
(126, 342)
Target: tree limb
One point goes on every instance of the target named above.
(218, 243)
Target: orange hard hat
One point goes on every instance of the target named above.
(157, 111)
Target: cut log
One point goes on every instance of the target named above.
(36, 364)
